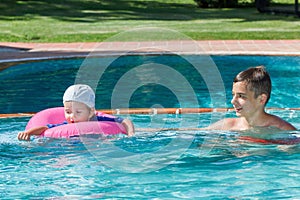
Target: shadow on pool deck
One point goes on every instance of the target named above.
(10, 51)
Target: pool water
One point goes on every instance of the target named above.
(25, 85)
(153, 164)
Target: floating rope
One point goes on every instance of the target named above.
(149, 111)
(154, 111)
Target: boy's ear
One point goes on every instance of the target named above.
(263, 98)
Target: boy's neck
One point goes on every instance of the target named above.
(257, 119)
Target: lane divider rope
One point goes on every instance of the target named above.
(149, 111)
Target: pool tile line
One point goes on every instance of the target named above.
(19, 50)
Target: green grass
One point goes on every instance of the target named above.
(98, 20)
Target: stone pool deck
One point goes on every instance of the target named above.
(10, 51)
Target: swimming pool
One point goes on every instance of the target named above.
(163, 164)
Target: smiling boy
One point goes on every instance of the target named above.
(251, 92)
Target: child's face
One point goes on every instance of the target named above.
(77, 112)
(243, 100)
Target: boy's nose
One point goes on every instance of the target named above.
(232, 100)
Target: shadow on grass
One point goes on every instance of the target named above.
(90, 11)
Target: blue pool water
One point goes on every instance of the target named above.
(150, 165)
(25, 85)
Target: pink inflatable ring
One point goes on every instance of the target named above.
(56, 116)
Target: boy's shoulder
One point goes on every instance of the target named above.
(277, 122)
(225, 124)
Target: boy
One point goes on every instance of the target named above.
(251, 91)
(79, 106)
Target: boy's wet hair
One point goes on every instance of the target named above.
(258, 80)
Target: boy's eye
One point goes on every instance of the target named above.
(242, 96)
(239, 95)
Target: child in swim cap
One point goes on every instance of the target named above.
(79, 103)
(79, 106)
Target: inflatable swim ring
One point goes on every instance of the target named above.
(56, 115)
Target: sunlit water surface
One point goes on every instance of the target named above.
(161, 164)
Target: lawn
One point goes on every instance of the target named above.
(97, 20)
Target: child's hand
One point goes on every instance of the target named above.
(130, 133)
(34, 131)
(24, 135)
(129, 127)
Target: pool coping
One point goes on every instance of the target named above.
(19, 51)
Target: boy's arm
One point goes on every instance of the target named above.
(223, 124)
(34, 131)
(128, 126)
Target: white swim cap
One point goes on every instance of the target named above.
(80, 93)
